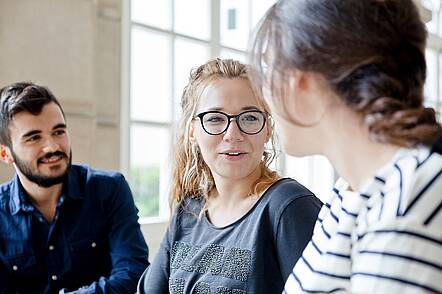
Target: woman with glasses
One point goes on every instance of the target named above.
(345, 79)
(237, 227)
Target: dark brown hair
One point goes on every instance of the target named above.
(18, 97)
(371, 52)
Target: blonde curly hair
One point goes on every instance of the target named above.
(191, 177)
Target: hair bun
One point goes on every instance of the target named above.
(391, 121)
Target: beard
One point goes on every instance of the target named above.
(41, 180)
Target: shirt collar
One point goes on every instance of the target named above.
(377, 182)
(71, 189)
(18, 197)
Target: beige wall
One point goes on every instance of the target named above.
(73, 47)
(153, 233)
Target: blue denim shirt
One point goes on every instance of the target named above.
(94, 242)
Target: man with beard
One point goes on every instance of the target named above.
(63, 227)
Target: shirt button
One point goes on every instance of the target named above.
(51, 247)
(94, 244)
(54, 277)
(14, 267)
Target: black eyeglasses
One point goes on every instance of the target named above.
(250, 122)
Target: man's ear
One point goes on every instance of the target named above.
(5, 154)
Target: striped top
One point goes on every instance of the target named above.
(386, 238)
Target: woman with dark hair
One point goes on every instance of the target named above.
(345, 79)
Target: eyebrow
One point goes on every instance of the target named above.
(243, 109)
(34, 132)
(59, 126)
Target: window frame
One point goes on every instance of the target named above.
(214, 43)
(215, 49)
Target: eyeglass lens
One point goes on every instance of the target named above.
(250, 122)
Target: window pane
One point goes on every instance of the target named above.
(188, 55)
(233, 54)
(314, 172)
(438, 102)
(431, 86)
(433, 6)
(192, 17)
(149, 149)
(150, 76)
(152, 12)
(259, 8)
(234, 18)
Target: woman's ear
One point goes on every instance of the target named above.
(192, 137)
(5, 154)
(303, 100)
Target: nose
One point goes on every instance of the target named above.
(50, 146)
(233, 133)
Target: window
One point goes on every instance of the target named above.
(433, 85)
(165, 39)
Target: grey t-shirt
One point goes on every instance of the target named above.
(253, 255)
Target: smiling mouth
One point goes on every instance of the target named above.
(233, 153)
(51, 159)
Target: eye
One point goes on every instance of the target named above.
(250, 117)
(59, 132)
(214, 118)
(33, 138)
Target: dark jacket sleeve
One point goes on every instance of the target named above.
(128, 250)
(155, 280)
(294, 230)
(5, 287)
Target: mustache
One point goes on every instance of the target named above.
(49, 155)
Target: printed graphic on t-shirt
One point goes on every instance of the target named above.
(213, 259)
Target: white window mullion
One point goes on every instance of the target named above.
(215, 35)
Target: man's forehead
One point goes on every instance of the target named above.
(49, 117)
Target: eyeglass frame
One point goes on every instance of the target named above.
(229, 120)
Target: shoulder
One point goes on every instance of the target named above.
(190, 206)
(86, 182)
(187, 213)
(410, 187)
(89, 175)
(417, 173)
(420, 181)
(5, 195)
(287, 193)
(5, 189)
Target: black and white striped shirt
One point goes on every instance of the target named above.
(386, 238)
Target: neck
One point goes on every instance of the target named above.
(355, 157)
(231, 191)
(231, 199)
